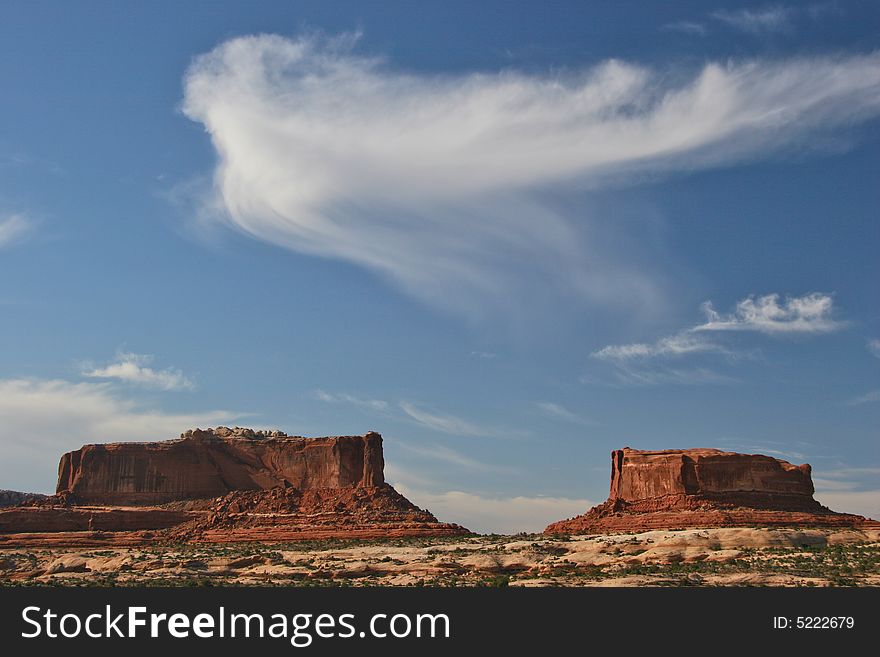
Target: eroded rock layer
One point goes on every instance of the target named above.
(277, 514)
(14, 498)
(220, 485)
(675, 489)
(214, 462)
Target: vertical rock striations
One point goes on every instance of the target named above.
(673, 489)
(211, 463)
(221, 485)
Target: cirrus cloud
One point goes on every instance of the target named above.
(756, 21)
(673, 345)
(437, 182)
(13, 228)
(445, 423)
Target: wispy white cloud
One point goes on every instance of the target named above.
(654, 376)
(851, 473)
(484, 355)
(134, 369)
(782, 450)
(680, 344)
(874, 348)
(495, 514)
(756, 21)
(868, 398)
(442, 422)
(436, 181)
(445, 423)
(810, 313)
(335, 398)
(13, 228)
(41, 419)
(559, 412)
(435, 452)
(686, 27)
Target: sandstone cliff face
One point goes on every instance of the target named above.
(677, 489)
(674, 479)
(212, 463)
(220, 486)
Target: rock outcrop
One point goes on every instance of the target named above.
(214, 462)
(220, 485)
(14, 498)
(677, 489)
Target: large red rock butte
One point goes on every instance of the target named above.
(215, 462)
(677, 489)
(221, 485)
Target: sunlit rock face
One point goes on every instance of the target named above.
(211, 463)
(683, 488)
(675, 479)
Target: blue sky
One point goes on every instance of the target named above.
(510, 238)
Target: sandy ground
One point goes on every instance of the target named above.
(694, 557)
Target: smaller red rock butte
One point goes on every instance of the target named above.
(672, 489)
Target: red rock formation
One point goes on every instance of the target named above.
(685, 479)
(220, 485)
(14, 498)
(278, 514)
(214, 462)
(284, 514)
(675, 489)
(25, 520)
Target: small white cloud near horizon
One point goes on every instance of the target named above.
(41, 419)
(499, 515)
(559, 412)
(438, 183)
(134, 369)
(849, 489)
(863, 503)
(873, 347)
(13, 229)
(775, 18)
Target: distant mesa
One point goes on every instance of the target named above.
(14, 498)
(221, 485)
(680, 489)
